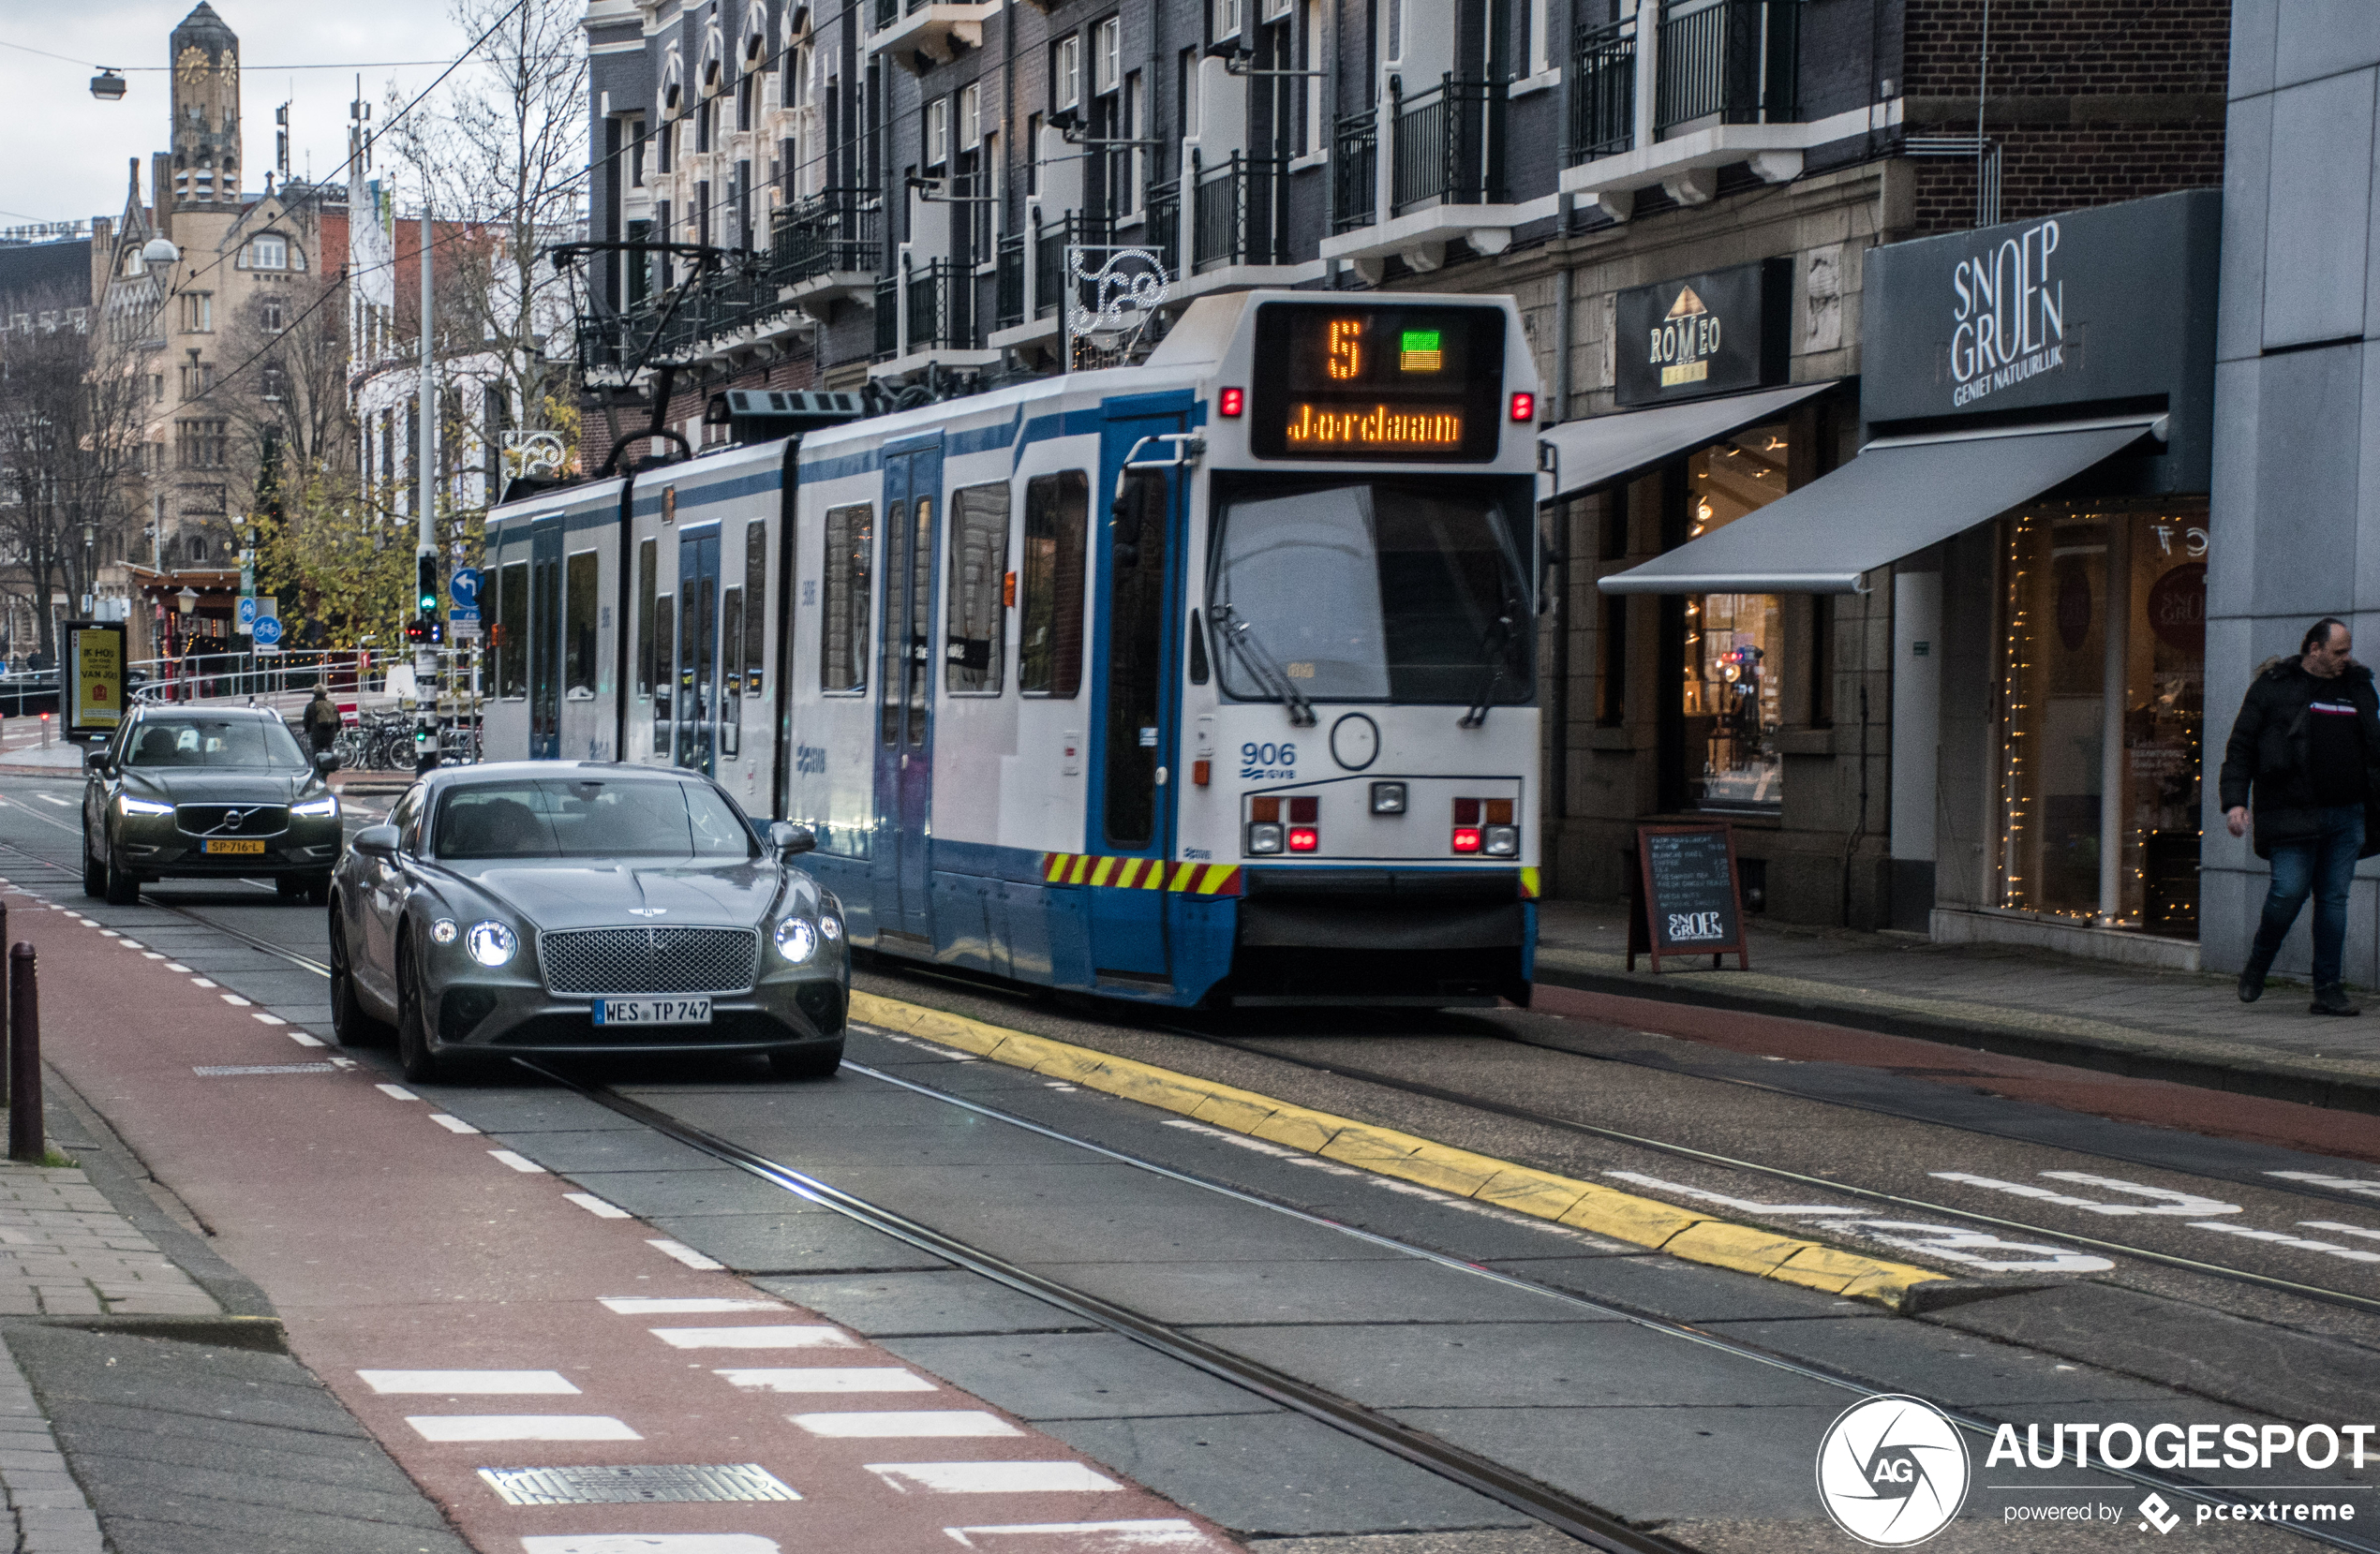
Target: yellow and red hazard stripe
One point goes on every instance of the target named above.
(1085, 869)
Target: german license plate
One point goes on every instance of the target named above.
(234, 846)
(652, 1011)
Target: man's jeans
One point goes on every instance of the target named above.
(2322, 866)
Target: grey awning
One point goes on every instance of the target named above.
(1601, 448)
(1898, 497)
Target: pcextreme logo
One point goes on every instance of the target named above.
(1892, 1471)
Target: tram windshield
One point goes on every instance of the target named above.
(1371, 591)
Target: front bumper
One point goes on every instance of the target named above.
(481, 1011)
(154, 847)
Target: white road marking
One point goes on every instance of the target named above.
(636, 1306)
(992, 1478)
(520, 1427)
(2363, 1184)
(652, 1543)
(684, 1254)
(236, 1002)
(2342, 1229)
(865, 1378)
(781, 1336)
(2353, 1255)
(201, 982)
(451, 1124)
(52, 798)
(177, 966)
(462, 1382)
(591, 1202)
(107, 933)
(151, 954)
(919, 1423)
(1746, 1206)
(1088, 1537)
(2162, 1199)
(130, 943)
(261, 1017)
(522, 1164)
(396, 1093)
(304, 1038)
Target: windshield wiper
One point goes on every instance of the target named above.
(1239, 636)
(1496, 640)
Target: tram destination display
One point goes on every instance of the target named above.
(1377, 383)
(1689, 900)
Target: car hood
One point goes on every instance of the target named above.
(218, 784)
(550, 895)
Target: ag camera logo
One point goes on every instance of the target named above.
(1892, 1471)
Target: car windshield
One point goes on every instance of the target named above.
(1373, 591)
(591, 817)
(213, 742)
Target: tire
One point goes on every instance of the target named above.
(94, 872)
(810, 1062)
(317, 890)
(122, 886)
(291, 887)
(413, 1054)
(350, 1025)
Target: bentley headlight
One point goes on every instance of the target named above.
(317, 809)
(830, 926)
(796, 940)
(490, 943)
(442, 931)
(126, 804)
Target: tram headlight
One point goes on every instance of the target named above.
(1387, 798)
(1501, 841)
(1264, 837)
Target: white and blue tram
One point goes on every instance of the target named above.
(1205, 680)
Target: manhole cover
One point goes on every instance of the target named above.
(221, 1071)
(648, 1483)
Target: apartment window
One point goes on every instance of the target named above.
(702, 124)
(975, 641)
(270, 252)
(842, 659)
(744, 90)
(1049, 617)
(203, 444)
(578, 628)
(1226, 17)
(756, 612)
(1133, 163)
(1033, 154)
(197, 313)
(669, 145)
(156, 388)
(1186, 83)
(971, 117)
(937, 132)
(1065, 74)
(197, 378)
(270, 312)
(1106, 55)
(1309, 53)
(635, 130)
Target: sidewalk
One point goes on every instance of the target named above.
(2187, 1028)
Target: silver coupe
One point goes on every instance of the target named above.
(582, 908)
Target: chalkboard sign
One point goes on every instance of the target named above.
(1688, 901)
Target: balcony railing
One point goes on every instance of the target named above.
(887, 12)
(1449, 145)
(840, 231)
(1242, 212)
(941, 310)
(1051, 240)
(1355, 149)
(1603, 91)
(1162, 233)
(1734, 60)
(1009, 287)
(677, 327)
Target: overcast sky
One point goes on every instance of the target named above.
(70, 149)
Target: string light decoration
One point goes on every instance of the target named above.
(2012, 770)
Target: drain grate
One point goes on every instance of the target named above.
(639, 1482)
(222, 1071)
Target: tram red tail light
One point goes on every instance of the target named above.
(1232, 401)
(1304, 838)
(1466, 838)
(1524, 407)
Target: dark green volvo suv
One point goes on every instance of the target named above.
(200, 791)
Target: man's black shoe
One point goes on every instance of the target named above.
(2331, 1001)
(2252, 982)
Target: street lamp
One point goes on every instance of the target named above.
(107, 85)
(90, 584)
(187, 599)
(160, 250)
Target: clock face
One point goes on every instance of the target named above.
(192, 68)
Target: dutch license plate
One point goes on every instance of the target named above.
(235, 846)
(652, 1011)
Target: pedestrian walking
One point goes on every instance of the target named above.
(2303, 767)
(321, 721)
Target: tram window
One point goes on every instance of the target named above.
(578, 630)
(1198, 649)
(851, 536)
(731, 669)
(975, 640)
(512, 644)
(647, 573)
(664, 633)
(1136, 660)
(1049, 635)
(756, 604)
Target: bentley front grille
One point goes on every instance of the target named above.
(648, 960)
(232, 820)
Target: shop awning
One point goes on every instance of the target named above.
(1898, 497)
(1603, 448)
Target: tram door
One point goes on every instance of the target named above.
(697, 647)
(1132, 807)
(545, 640)
(904, 693)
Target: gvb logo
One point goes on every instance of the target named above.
(1893, 1472)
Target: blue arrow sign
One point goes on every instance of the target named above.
(465, 587)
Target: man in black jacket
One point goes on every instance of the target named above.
(2307, 746)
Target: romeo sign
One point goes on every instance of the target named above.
(1712, 334)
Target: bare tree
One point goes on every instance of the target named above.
(73, 424)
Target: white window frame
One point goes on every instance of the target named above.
(1065, 73)
(937, 132)
(1106, 55)
(257, 251)
(1275, 10)
(1228, 19)
(971, 116)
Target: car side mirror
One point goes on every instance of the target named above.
(790, 839)
(376, 841)
(326, 762)
(98, 761)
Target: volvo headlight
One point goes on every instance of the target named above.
(126, 804)
(317, 809)
(491, 943)
(796, 940)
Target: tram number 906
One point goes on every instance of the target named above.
(1268, 762)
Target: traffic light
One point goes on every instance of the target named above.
(426, 631)
(426, 584)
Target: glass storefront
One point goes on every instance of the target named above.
(1734, 642)
(2074, 575)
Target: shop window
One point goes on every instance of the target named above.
(2073, 576)
(1735, 654)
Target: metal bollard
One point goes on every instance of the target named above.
(27, 1140)
(4, 1004)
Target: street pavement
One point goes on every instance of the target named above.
(518, 1231)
